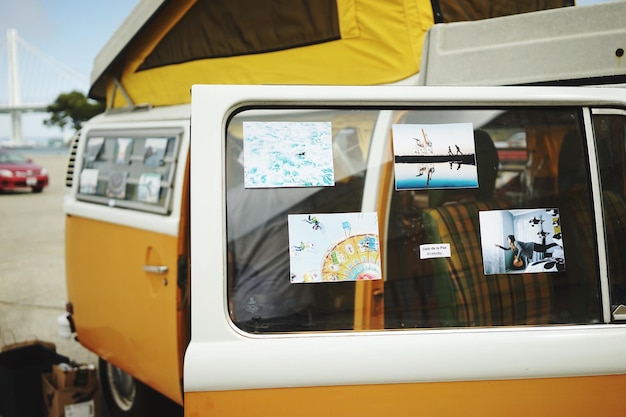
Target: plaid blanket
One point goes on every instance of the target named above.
(468, 297)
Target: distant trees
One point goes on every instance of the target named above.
(72, 108)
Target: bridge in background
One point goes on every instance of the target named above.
(34, 81)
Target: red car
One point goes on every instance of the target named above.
(18, 171)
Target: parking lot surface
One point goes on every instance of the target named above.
(32, 270)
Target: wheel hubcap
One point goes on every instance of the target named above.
(122, 387)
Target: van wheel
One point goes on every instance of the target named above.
(125, 396)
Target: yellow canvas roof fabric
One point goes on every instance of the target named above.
(223, 28)
(166, 46)
(377, 42)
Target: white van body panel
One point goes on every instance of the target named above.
(222, 357)
(175, 117)
(578, 45)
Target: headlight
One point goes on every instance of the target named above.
(5, 173)
(43, 171)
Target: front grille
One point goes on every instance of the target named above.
(27, 173)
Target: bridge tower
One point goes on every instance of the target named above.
(15, 98)
(34, 81)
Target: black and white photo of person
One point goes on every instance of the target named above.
(521, 240)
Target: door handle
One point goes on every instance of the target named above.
(156, 269)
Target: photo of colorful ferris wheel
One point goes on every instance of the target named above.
(355, 258)
(334, 247)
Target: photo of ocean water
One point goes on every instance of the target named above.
(438, 175)
(287, 154)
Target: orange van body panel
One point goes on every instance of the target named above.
(122, 313)
(576, 396)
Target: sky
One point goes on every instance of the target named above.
(70, 32)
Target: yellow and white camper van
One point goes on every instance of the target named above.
(290, 250)
(360, 247)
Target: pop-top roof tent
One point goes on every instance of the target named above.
(572, 46)
(165, 46)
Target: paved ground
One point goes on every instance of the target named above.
(32, 270)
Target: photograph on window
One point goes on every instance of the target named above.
(521, 241)
(149, 187)
(93, 149)
(88, 181)
(116, 187)
(154, 152)
(288, 154)
(123, 149)
(434, 156)
(334, 247)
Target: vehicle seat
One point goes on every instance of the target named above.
(466, 296)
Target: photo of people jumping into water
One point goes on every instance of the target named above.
(523, 240)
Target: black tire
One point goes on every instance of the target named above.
(125, 396)
(37, 189)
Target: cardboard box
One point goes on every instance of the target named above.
(78, 401)
(20, 377)
(66, 376)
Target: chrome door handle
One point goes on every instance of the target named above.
(156, 269)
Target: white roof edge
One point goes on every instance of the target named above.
(175, 112)
(558, 44)
(142, 12)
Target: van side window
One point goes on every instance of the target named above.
(261, 293)
(129, 170)
(482, 217)
(521, 246)
(610, 131)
